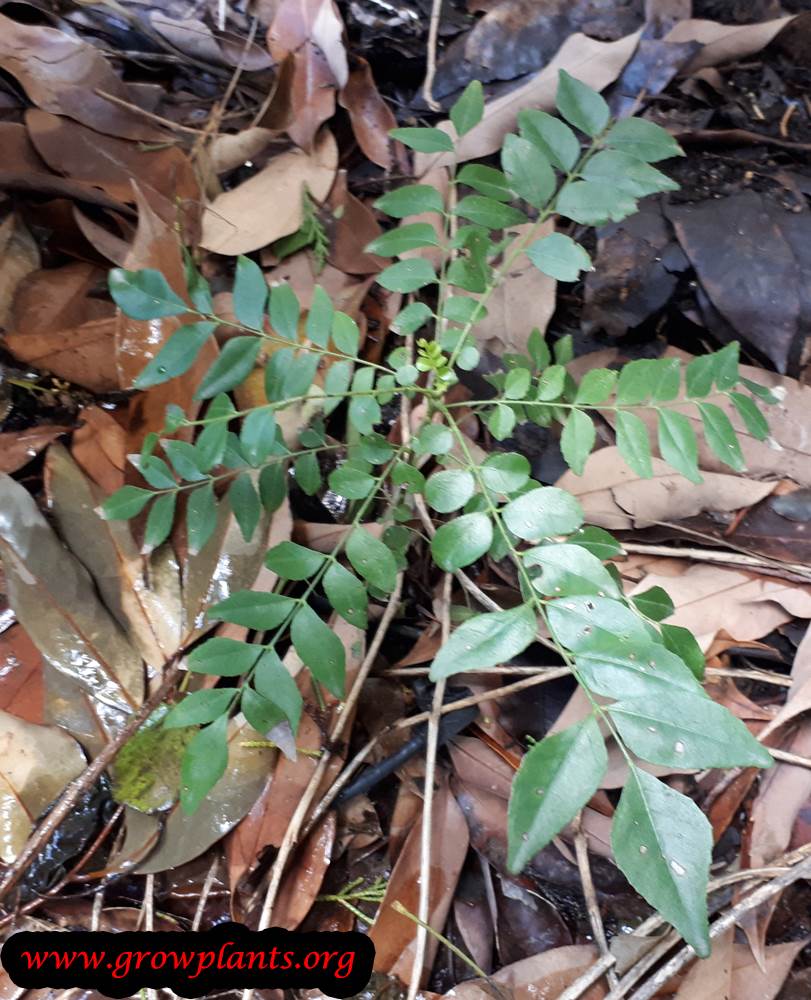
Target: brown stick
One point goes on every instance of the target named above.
(40, 837)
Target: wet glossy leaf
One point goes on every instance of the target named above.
(273, 680)
(570, 569)
(177, 355)
(557, 777)
(199, 707)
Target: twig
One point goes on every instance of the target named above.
(424, 907)
(71, 795)
(166, 122)
(718, 556)
(297, 819)
(430, 61)
(592, 906)
(790, 758)
(205, 892)
(725, 921)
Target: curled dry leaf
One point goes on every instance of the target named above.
(194, 38)
(17, 448)
(55, 601)
(36, 763)
(710, 598)
(269, 205)
(394, 935)
(372, 119)
(312, 32)
(62, 74)
(595, 63)
(19, 256)
(616, 498)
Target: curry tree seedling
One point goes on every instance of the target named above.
(641, 676)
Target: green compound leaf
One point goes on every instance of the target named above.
(505, 472)
(223, 657)
(144, 294)
(580, 105)
(569, 569)
(486, 180)
(201, 517)
(468, 110)
(346, 594)
(320, 649)
(449, 490)
(352, 483)
(364, 411)
(293, 562)
(577, 440)
(655, 603)
(372, 559)
(199, 707)
(527, 170)
(250, 293)
(488, 212)
(691, 732)
(262, 713)
(253, 609)
(126, 502)
(593, 203)
(721, 437)
(284, 311)
(403, 238)
(542, 513)
(204, 763)
(232, 367)
(556, 779)
(272, 679)
(159, 521)
(462, 541)
(662, 842)
(413, 199)
(176, 356)
(753, 419)
(678, 445)
(486, 640)
(554, 138)
(643, 139)
(423, 140)
(407, 275)
(633, 443)
(560, 257)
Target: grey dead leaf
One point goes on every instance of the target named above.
(19, 256)
(55, 601)
(267, 206)
(193, 37)
(616, 498)
(36, 764)
(593, 62)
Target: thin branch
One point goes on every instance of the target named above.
(430, 60)
(424, 908)
(590, 895)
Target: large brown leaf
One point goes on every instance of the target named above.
(62, 74)
(36, 763)
(54, 599)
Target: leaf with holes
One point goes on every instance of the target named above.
(570, 569)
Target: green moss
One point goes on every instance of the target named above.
(146, 774)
